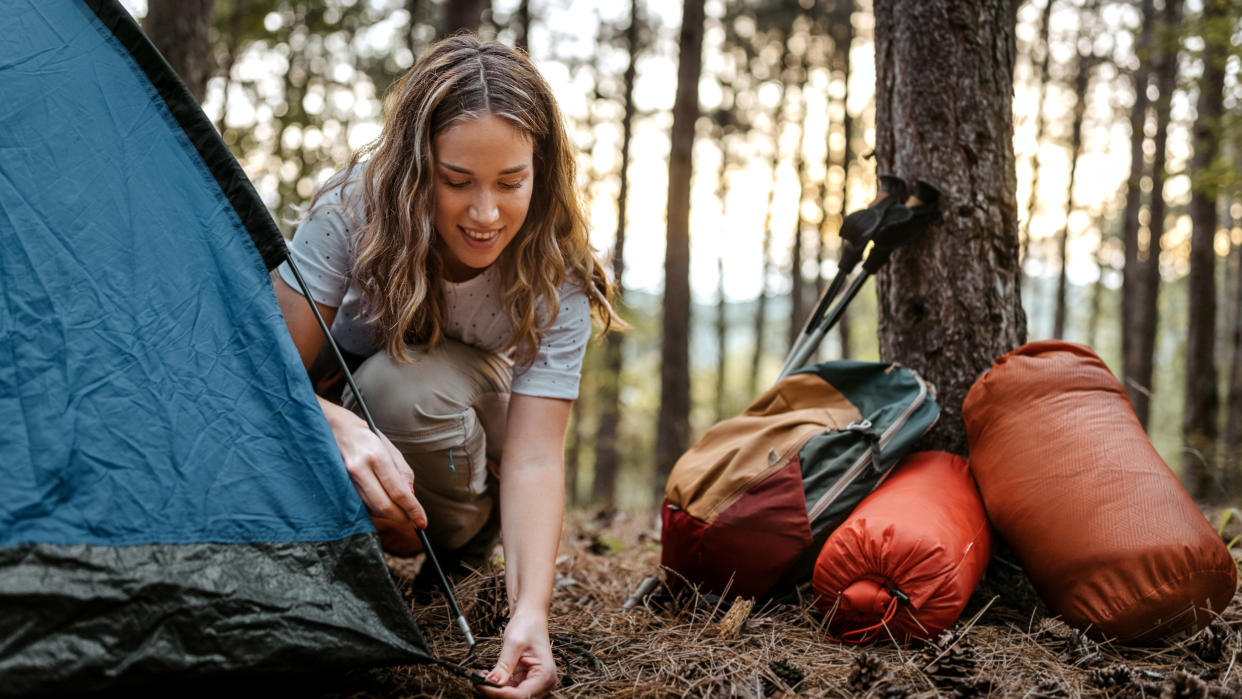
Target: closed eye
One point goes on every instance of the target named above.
(513, 185)
(454, 184)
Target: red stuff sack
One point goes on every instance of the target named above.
(909, 555)
(1106, 533)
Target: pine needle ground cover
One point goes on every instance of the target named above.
(1004, 645)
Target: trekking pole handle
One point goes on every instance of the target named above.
(366, 414)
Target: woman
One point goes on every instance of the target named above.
(452, 254)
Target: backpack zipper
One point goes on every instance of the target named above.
(852, 472)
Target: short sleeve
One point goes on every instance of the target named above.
(321, 250)
(557, 366)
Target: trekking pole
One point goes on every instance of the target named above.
(366, 414)
(903, 224)
(857, 229)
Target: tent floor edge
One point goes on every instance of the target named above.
(85, 617)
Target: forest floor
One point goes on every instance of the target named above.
(1005, 643)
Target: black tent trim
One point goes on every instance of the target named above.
(202, 134)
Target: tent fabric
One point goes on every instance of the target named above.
(1106, 533)
(910, 555)
(173, 498)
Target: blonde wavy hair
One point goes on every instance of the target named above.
(398, 265)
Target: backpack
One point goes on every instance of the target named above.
(748, 507)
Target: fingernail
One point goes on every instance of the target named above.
(494, 678)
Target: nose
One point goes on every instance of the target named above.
(483, 209)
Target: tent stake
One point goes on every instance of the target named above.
(366, 414)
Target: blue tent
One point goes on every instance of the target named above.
(171, 499)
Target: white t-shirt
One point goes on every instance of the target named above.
(323, 248)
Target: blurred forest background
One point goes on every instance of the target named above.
(716, 185)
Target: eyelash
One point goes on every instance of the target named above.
(460, 185)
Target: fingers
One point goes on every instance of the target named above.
(398, 482)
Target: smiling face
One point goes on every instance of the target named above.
(484, 180)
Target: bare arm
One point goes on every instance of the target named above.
(532, 503)
(378, 470)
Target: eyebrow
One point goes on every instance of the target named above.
(507, 171)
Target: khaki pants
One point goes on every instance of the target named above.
(446, 413)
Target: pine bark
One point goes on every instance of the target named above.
(798, 302)
(1202, 408)
(1144, 308)
(1081, 82)
(1131, 277)
(178, 28)
(950, 302)
(604, 488)
(673, 429)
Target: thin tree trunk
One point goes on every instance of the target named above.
(950, 302)
(673, 430)
(523, 24)
(1081, 82)
(1145, 312)
(722, 306)
(1097, 289)
(461, 14)
(1199, 420)
(1131, 276)
(604, 488)
(798, 306)
(761, 303)
(178, 28)
(1045, 22)
(236, 15)
(845, 324)
(1231, 442)
(573, 452)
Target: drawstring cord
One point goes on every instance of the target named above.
(870, 632)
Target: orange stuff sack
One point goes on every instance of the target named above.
(1106, 533)
(909, 555)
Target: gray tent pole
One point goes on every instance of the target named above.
(366, 414)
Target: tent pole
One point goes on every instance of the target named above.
(366, 414)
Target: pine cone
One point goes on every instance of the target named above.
(899, 691)
(949, 664)
(1183, 685)
(973, 687)
(1051, 689)
(488, 614)
(1077, 649)
(1112, 677)
(788, 673)
(1211, 644)
(867, 671)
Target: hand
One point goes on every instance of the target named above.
(525, 668)
(380, 474)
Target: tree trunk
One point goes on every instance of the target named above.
(1097, 289)
(1145, 312)
(1081, 81)
(236, 16)
(178, 28)
(950, 302)
(604, 488)
(1045, 22)
(673, 431)
(844, 325)
(573, 454)
(761, 303)
(461, 14)
(722, 338)
(1131, 276)
(798, 307)
(1231, 442)
(1199, 420)
(523, 25)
